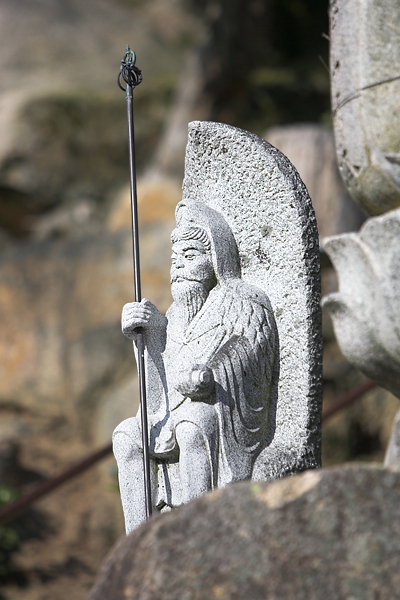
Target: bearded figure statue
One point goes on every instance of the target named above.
(211, 371)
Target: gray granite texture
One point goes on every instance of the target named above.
(234, 368)
(365, 310)
(325, 534)
(365, 86)
(267, 206)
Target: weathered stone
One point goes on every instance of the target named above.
(212, 371)
(311, 149)
(365, 310)
(267, 206)
(392, 456)
(332, 533)
(365, 85)
(221, 388)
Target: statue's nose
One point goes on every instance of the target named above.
(179, 262)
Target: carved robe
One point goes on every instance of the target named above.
(234, 334)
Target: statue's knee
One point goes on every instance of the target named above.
(126, 441)
(190, 437)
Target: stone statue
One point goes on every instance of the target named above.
(213, 368)
(233, 370)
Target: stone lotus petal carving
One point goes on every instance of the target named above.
(366, 310)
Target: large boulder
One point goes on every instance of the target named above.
(324, 534)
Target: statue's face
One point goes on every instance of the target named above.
(192, 262)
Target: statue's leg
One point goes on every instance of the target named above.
(127, 446)
(196, 461)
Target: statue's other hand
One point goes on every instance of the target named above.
(197, 384)
(137, 315)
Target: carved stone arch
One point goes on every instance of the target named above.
(267, 206)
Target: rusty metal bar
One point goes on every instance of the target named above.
(15, 508)
(347, 399)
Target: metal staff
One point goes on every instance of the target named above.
(132, 77)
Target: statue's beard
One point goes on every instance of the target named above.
(189, 297)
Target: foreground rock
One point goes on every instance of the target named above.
(323, 534)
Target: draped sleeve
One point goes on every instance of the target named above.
(245, 372)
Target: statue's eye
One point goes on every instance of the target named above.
(190, 255)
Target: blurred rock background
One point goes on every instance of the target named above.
(67, 374)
